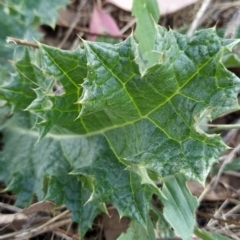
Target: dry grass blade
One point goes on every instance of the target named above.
(227, 160)
(6, 219)
(218, 219)
(61, 215)
(198, 17)
(31, 232)
(10, 207)
(73, 24)
(62, 235)
(233, 25)
(206, 190)
(228, 4)
(21, 42)
(39, 206)
(85, 30)
(24, 220)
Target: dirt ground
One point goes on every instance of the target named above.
(219, 209)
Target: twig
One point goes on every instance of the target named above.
(29, 44)
(218, 219)
(21, 42)
(206, 190)
(73, 24)
(233, 25)
(233, 173)
(227, 160)
(232, 133)
(233, 210)
(34, 231)
(56, 218)
(50, 225)
(228, 4)
(10, 207)
(128, 25)
(197, 19)
(223, 206)
(214, 219)
(62, 235)
(85, 30)
(217, 213)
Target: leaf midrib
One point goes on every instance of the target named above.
(146, 116)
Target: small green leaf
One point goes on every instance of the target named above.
(179, 205)
(209, 236)
(146, 12)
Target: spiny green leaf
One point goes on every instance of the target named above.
(18, 90)
(12, 24)
(110, 125)
(53, 107)
(20, 19)
(75, 195)
(46, 12)
(153, 118)
(55, 156)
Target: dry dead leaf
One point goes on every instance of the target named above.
(38, 207)
(166, 7)
(101, 22)
(66, 17)
(6, 219)
(27, 216)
